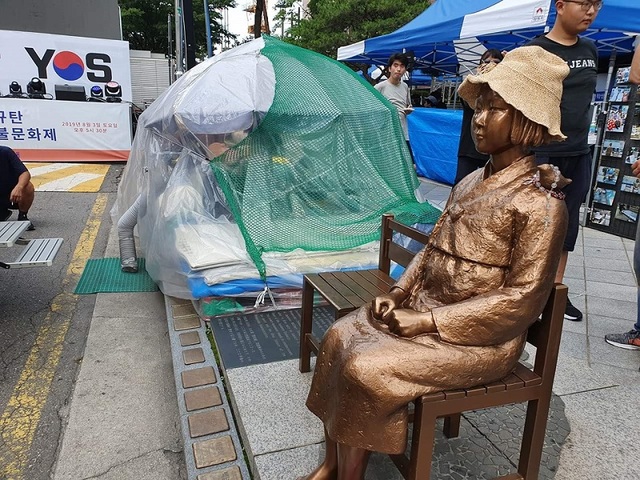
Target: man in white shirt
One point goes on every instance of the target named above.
(396, 91)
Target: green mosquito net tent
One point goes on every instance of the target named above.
(266, 161)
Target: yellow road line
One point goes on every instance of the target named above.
(23, 411)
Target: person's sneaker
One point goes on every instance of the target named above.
(629, 340)
(572, 313)
(23, 218)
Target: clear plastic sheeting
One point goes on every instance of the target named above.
(261, 164)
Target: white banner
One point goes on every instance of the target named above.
(61, 131)
(63, 59)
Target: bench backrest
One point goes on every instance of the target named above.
(394, 252)
(545, 333)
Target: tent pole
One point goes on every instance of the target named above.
(455, 94)
(602, 125)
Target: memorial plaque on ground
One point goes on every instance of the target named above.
(264, 337)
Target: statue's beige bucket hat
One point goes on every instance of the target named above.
(530, 80)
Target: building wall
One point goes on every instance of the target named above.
(82, 18)
(149, 76)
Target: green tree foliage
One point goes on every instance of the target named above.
(144, 23)
(334, 23)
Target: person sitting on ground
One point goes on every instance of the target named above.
(16, 189)
(458, 316)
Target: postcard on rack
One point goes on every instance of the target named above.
(604, 196)
(613, 148)
(608, 175)
(601, 217)
(622, 75)
(630, 184)
(620, 94)
(627, 213)
(617, 118)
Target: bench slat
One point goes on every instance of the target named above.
(527, 376)
(365, 295)
(380, 275)
(370, 276)
(335, 298)
(432, 397)
(453, 394)
(364, 282)
(475, 391)
(495, 387)
(38, 253)
(410, 232)
(512, 382)
(400, 255)
(342, 290)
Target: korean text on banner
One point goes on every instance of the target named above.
(50, 131)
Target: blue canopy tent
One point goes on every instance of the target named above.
(450, 35)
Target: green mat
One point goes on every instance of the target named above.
(104, 275)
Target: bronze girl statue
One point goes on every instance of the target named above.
(459, 314)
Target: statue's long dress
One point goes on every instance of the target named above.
(485, 275)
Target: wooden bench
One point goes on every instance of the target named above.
(347, 291)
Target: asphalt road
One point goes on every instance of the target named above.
(31, 301)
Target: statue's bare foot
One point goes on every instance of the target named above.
(322, 472)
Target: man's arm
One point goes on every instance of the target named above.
(23, 181)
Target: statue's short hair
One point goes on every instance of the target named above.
(527, 132)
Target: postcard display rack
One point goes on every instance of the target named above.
(615, 197)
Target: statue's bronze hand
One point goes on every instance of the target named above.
(384, 304)
(409, 323)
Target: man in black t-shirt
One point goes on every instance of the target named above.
(16, 189)
(573, 156)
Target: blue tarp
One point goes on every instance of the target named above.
(434, 136)
(455, 32)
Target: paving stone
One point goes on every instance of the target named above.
(189, 338)
(207, 423)
(232, 473)
(186, 323)
(193, 355)
(202, 398)
(182, 310)
(214, 452)
(198, 377)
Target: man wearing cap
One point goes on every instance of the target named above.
(433, 102)
(573, 156)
